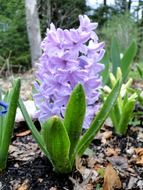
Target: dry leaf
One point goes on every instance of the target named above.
(24, 152)
(139, 159)
(106, 136)
(78, 163)
(111, 179)
(87, 173)
(85, 185)
(24, 186)
(12, 149)
(91, 162)
(112, 152)
(24, 133)
(139, 151)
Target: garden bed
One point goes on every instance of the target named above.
(29, 169)
(111, 162)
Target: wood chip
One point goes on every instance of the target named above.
(24, 186)
(112, 152)
(24, 133)
(139, 153)
(106, 136)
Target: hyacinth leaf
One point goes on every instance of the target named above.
(74, 116)
(127, 111)
(57, 143)
(99, 119)
(8, 122)
(115, 55)
(106, 62)
(140, 71)
(32, 127)
(128, 58)
(115, 114)
(1, 122)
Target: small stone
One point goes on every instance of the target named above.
(0, 185)
(130, 151)
(31, 109)
(119, 162)
(132, 182)
(16, 165)
(140, 184)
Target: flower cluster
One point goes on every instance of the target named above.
(69, 57)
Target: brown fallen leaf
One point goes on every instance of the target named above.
(111, 179)
(91, 162)
(24, 186)
(139, 153)
(106, 136)
(112, 151)
(85, 185)
(87, 173)
(78, 163)
(24, 152)
(24, 133)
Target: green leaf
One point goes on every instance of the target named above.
(128, 58)
(32, 127)
(115, 114)
(140, 71)
(106, 62)
(57, 143)
(8, 122)
(115, 55)
(127, 111)
(99, 119)
(74, 116)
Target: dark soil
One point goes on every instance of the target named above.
(29, 169)
(36, 174)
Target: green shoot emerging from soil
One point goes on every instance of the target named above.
(123, 109)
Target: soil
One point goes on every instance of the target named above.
(29, 169)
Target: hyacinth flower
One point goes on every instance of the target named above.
(68, 84)
(69, 57)
(7, 118)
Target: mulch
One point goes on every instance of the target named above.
(29, 169)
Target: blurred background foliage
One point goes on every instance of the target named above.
(63, 14)
(13, 36)
(118, 21)
(123, 28)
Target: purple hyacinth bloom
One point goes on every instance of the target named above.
(4, 109)
(69, 57)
